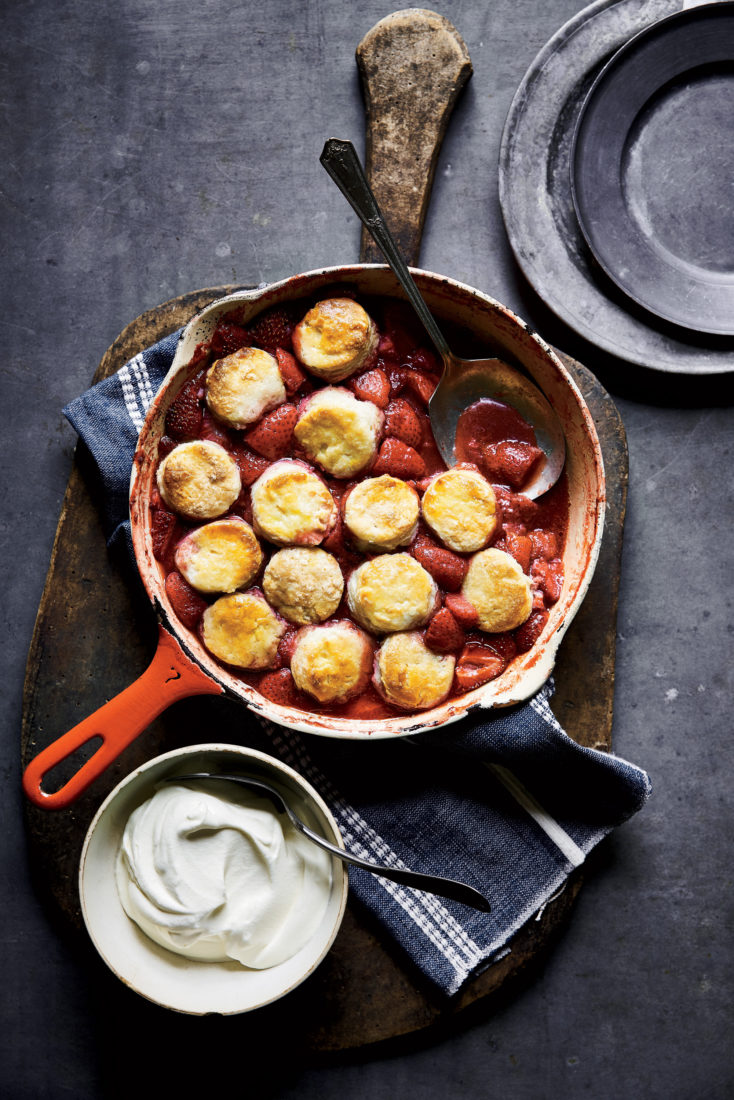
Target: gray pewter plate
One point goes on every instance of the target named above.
(652, 168)
(537, 204)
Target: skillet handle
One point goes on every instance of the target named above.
(171, 675)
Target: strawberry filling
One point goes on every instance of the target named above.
(399, 379)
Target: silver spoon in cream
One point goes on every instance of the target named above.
(464, 381)
(434, 884)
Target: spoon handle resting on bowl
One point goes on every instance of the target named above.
(434, 884)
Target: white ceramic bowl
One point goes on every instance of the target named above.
(162, 976)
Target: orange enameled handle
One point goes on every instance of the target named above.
(171, 675)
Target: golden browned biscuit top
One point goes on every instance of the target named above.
(381, 513)
(221, 556)
(243, 630)
(304, 584)
(391, 592)
(335, 338)
(460, 507)
(410, 675)
(199, 480)
(497, 587)
(332, 662)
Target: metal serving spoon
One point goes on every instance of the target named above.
(463, 381)
(444, 887)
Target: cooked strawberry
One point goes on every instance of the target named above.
(292, 375)
(187, 604)
(368, 706)
(271, 436)
(165, 447)
(280, 687)
(162, 528)
(425, 361)
(421, 384)
(538, 599)
(516, 542)
(372, 386)
(273, 329)
(398, 378)
(334, 541)
(444, 635)
(214, 432)
(515, 507)
(462, 609)
(228, 338)
(286, 646)
(401, 325)
(503, 645)
(544, 544)
(242, 507)
(548, 575)
(527, 635)
(477, 665)
(386, 347)
(250, 465)
(398, 459)
(447, 569)
(183, 419)
(510, 462)
(401, 421)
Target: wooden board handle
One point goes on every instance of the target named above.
(171, 675)
(413, 65)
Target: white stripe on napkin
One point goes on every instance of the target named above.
(548, 824)
(427, 912)
(136, 389)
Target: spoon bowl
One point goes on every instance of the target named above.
(464, 381)
(434, 884)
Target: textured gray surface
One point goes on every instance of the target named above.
(152, 149)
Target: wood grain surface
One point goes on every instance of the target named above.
(95, 633)
(413, 65)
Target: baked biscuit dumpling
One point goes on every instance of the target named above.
(497, 587)
(459, 505)
(199, 480)
(381, 513)
(221, 556)
(304, 584)
(338, 431)
(335, 338)
(332, 662)
(243, 630)
(291, 506)
(409, 675)
(243, 386)
(391, 592)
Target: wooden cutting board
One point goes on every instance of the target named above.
(95, 631)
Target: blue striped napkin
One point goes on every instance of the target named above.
(508, 802)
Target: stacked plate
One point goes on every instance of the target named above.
(617, 180)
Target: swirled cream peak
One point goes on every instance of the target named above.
(221, 876)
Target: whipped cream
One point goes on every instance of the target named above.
(218, 877)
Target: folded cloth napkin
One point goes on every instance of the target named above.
(506, 802)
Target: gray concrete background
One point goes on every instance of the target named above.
(149, 149)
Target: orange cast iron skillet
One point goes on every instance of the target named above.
(182, 667)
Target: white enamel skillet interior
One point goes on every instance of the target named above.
(506, 336)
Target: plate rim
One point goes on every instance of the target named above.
(639, 345)
(629, 54)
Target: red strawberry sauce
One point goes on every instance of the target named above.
(492, 436)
